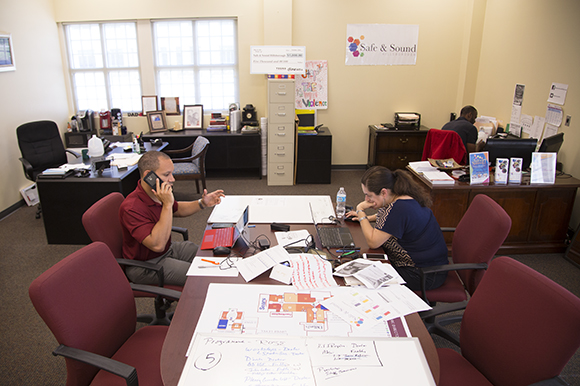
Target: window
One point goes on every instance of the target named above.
(196, 60)
(104, 65)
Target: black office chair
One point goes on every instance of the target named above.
(41, 148)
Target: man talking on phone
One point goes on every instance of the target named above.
(146, 217)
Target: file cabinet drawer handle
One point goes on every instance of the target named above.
(280, 173)
(281, 114)
(280, 154)
(282, 93)
(404, 140)
(281, 134)
(402, 159)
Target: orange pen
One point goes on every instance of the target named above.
(209, 261)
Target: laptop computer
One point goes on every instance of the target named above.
(226, 236)
(332, 237)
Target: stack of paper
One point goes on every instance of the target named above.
(439, 178)
(422, 166)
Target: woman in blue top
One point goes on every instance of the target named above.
(405, 227)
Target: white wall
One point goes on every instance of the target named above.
(35, 91)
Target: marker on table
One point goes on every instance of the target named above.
(348, 253)
(348, 250)
(209, 261)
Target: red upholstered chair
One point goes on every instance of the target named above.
(477, 238)
(519, 328)
(101, 221)
(87, 303)
(443, 144)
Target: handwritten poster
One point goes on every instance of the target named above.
(296, 361)
(312, 87)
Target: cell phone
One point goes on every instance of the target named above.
(151, 179)
(375, 256)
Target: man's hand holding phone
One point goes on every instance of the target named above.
(162, 190)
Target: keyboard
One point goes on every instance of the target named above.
(223, 237)
(332, 237)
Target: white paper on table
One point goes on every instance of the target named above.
(203, 268)
(296, 238)
(311, 271)
(405, 300)
(252, 266)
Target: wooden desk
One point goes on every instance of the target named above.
(65, 200)
(394, 149)
(229, 153)
(540, 213)
(193, 296)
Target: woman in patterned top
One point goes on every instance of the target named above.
(405, 227)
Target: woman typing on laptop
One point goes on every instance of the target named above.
(405, 227)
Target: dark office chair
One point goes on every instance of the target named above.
(477, 238)
(519, 328)
(193, 166)
(443, 144)
(101, 221)
(41, 148)
(87, 303)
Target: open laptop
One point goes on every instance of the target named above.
(332, 236)
(226, 236)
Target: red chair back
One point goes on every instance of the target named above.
(519, 327)
(478, 236)
(443, 144)
(101, 221)
(87, 303)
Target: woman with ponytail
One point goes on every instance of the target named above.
(405, 227)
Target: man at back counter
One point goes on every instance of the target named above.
(147, 216)
(465, 128)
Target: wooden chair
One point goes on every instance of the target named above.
(192, 167)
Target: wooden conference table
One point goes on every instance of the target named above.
(193, 296)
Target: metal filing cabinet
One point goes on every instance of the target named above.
(281, 132)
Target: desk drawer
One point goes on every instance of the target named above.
(281, 152)
(400, 143)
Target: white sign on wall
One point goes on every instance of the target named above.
(283, 60)
(381, 44)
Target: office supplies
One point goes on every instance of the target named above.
(210, 261)
(226, 237)
(407, 121)
(332, 237)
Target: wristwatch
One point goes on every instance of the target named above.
(200, 203)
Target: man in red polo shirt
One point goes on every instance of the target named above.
(147, 217)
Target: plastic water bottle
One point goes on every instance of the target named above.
(340, 202)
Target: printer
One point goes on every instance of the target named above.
(407, 121)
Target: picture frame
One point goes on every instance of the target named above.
(156, 121)
(170, 105)
(193, 117)
(7, 62)
(149, 103)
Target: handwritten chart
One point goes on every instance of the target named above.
(299, 361)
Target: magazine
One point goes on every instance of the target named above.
(479, 167)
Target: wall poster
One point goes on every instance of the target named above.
(381, 44)
(312, 87)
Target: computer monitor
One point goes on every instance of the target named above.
(511, 148)
(552, 144)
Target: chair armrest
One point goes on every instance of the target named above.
(27, 167)
(144, 264)
(77, 155)
(123, 370)
(163, 292)
(452, 267)
(556, 381)
(444, 268)
(443, 308)
(183, 231)
(448, 229)
(179, 151)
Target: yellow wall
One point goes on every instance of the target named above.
(469, 52)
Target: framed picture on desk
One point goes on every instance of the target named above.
(170, 105)
(193, 117)
(156, 121)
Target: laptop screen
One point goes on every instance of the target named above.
(242, 224)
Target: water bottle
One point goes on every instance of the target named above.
(96, 148)
(340, 202)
